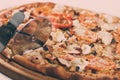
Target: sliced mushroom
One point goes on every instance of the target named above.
(58, 36)
(80, 63)
(64, 62)
(105, 36)
(58, 8)
(34, 56)
(86, 49)
(71, 49)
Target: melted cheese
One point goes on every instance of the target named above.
(58, 36)
(105, 36)
(58, 8)
(86, 49)
(79, 62)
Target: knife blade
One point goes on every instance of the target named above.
(7, 31)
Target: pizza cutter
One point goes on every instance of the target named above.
(33, 35)
(38, 29)
(7, 31)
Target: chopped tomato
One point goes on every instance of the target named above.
(61, 20)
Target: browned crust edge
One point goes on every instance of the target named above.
(58, 71)
(48, 69)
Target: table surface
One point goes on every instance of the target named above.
(102, 6)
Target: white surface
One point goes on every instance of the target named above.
(111, 7)
(3, 77)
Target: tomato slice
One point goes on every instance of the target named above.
(61, 20)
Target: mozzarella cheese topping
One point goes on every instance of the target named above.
(105, 36)
(86, 49)
(79, 62)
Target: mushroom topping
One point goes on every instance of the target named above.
(58, 36)
(76, 23)
(64, 62)
(105, 36)
(79, 63)
(27, 15)
(86, 49)
(58, 8)
(72, 49)
(34, 56)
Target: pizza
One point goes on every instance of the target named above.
(83, 44)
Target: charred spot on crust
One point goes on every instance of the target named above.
(118, 69)
(57, 72)
(75, 77)
(104, 78)
(51, 71)
(115, 78)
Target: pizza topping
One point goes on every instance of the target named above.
(105, 36)
(118, 48)
(42, 10)
(88, 20)
(108, 18)
(108, 52)
(58, 8)
(79, 63)
(58, 36)
(34, 56)
(116, 35)
(79, 31)
(86, 49)
(49, 42)
(72, 49)
(98, 63)
(71, 39)
(61, 20)
(76, 23)
(109, 27)
(67, 57)
(117, 57)
(27, 15)
(64, 62)
(90, 36)
(96, 29)
(98, 48)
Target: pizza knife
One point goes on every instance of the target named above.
(39, 36)
(7, 31)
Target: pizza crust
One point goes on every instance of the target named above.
(58, 71)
